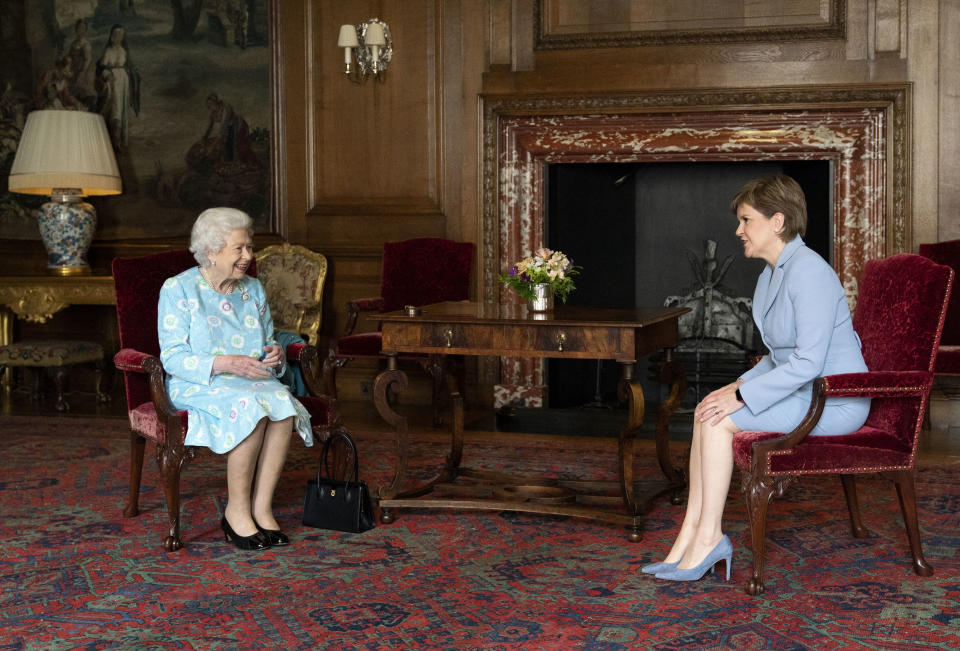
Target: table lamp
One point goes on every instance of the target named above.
(67, 155)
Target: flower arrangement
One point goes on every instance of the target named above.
(544, 266)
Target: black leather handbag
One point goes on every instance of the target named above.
(342, 505)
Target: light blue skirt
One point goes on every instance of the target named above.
(840, 416)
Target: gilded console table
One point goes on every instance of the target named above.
(511, 331)
(36, 298)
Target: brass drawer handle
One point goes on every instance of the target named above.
(561, 340)
(448, 337)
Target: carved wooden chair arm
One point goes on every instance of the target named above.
(158, 389)
(358, 305)
(311, 368)
(763, 448)
(872, 384)
(879, 384)
(128, 359)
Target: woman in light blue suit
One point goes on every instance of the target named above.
(801, 312)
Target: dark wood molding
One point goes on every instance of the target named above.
(278, 158)
(835, 29)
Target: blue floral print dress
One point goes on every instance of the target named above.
(195, 324)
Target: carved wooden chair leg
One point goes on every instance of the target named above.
(757, 493)
(59, 380)
(908, 506)
(137, 446)
(853, 506)
(170, 464)
(39, 389)
(98, 382)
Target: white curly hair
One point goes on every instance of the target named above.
(211, 230)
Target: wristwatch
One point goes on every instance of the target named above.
(739, 397)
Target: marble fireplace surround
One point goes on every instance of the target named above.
(863, 129)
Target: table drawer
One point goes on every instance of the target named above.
(452, 335)
(562, 339)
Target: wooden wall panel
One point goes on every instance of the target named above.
(376, 144)
(948, 140)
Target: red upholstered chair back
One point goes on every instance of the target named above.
(425, 270)
(947, 253)
(137, 282)
(899, 317)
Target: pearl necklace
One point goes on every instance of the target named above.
(244, 295)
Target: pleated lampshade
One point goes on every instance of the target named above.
(65, 150)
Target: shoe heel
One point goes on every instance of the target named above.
(723, 551)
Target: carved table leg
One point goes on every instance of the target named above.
(451, 466)
(435, 366)
(671, 373)
(632, 394)
(396, 380)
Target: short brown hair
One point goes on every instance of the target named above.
(773, 194)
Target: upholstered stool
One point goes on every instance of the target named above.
(56, 357)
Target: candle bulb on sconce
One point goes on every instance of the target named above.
(375, 40)
(348, 40)
(370, 44)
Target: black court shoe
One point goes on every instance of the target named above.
(255, 542)
(274, 536)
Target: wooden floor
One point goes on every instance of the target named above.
(941, 440)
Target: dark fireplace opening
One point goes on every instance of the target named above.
(638, 230)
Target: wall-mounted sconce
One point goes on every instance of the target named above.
(371, 45)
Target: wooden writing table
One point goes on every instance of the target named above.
(512, 331)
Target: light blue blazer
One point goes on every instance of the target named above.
(803, 318)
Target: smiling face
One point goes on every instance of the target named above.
(759, 233)
(231, 262)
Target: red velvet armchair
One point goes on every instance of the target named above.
(899, 317)
(152, 416)
(416, 272)
(948, 356)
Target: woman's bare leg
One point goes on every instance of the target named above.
(716, 467)
(241, 466)
(273, 453)
(694, 500)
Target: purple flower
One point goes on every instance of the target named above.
(524, 277)
(512, 271)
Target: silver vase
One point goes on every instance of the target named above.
(542, 298)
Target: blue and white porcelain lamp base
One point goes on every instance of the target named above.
(67, 224)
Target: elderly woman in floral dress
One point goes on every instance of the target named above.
(222, 361)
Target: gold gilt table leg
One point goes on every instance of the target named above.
(6, 338)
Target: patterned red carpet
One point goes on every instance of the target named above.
(75, 574)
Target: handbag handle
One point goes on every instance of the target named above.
(325, 462)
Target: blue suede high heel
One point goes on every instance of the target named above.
(662, 566)
(723, 551)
